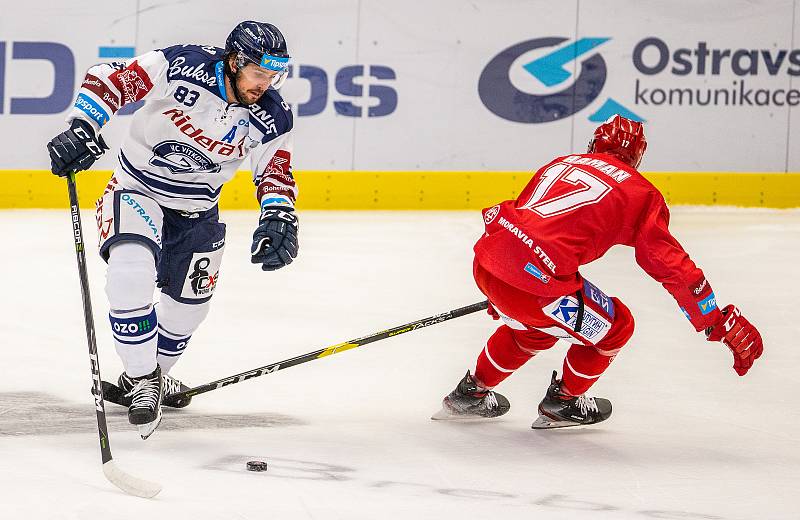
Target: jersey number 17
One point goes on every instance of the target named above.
(589, 190)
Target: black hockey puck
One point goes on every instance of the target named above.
(256, 465)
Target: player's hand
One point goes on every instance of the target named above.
(740, 336)
(75, 149)
(275, 242)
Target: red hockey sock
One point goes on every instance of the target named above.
(582, 367)
(506, 351)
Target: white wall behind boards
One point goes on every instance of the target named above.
(451, 84)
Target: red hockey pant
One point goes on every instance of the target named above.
(521, 338)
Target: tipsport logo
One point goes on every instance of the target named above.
(544, 88)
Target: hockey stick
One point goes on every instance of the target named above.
(125, 482)
(329, 351)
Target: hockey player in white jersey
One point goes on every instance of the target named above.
(205, 110)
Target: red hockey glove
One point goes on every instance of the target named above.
(740, 336)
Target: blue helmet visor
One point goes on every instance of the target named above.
(276, 63)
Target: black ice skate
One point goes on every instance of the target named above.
(559, 410)
(117, 393)
(173, 386)
(468, 401)
(145, 394)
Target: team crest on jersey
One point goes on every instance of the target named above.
(279, 164)
(132, 82)
(180, 157)
(491, 214)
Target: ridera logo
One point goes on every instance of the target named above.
(525, 85)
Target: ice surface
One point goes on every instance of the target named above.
(349, 436)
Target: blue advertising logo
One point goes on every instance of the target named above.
(91, 109)
(499, 94)
(566, 309)
(362, 91)
(708, 304)
(536, 272)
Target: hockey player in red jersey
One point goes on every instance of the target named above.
(527, 263)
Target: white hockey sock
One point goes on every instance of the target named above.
(130, 283)
(177, 323)
(135, 336)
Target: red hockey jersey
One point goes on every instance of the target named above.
(571, 212)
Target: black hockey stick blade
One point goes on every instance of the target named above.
(334, 349)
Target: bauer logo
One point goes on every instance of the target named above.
(532, 82)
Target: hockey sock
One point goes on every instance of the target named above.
(135, 335)
(170, 347)
(506, 351)
(176, 323)
(583, 365)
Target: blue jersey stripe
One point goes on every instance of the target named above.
(146, 178)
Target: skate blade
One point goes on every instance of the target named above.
(146, 430)
(446, 415)
(545, 423)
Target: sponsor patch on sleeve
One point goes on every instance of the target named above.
(699, 287)
(708, 304)
(88, 106)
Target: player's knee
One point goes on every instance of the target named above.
(533, 341)
(181, 318)
(130, 276)
(621, 330)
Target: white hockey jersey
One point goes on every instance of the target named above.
(187, 140)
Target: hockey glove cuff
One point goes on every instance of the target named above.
(275, 243)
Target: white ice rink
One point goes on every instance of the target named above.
(349, 437)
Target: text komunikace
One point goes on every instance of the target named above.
(738, 94)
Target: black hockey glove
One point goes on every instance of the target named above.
(275, 239)
(75, 149)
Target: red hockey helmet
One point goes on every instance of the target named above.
(621, 137)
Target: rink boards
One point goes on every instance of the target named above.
(422, 190)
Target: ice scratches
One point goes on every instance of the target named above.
(37, 413)
(295, 469)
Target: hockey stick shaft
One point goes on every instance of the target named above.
(77, 233)
(334, 349)
(125, 482)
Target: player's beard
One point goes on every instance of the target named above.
(241, 97)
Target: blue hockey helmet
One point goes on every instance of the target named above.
(260, 43)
